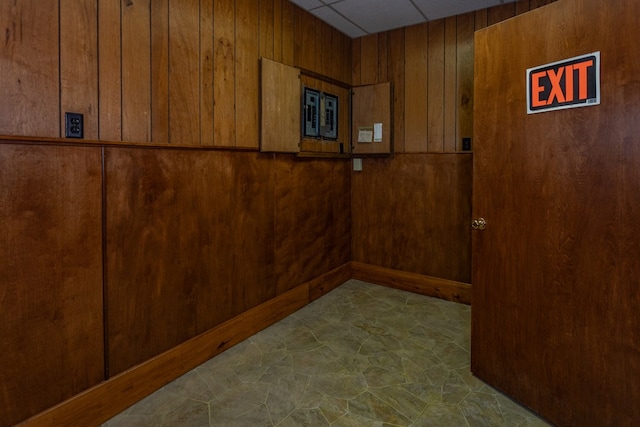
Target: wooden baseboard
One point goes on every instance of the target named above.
(412, 282)
(100, 403)
(328, 282)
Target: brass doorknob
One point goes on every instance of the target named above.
(479, 224)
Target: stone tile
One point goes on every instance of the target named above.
(257, 417)
(401, 399)
(345, 386)
(189, 414)
(192, 386)
(239, 400)
(124, 420)
(441, 415)
(362, 355)
(305, 417)
(285, 396)
(368, 406)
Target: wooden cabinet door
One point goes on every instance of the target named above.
(556, 271)
(371, 119)
(280, 107)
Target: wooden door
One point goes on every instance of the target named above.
(556, 272)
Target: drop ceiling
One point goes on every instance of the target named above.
(357, 18)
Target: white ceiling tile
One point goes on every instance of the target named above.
(379, 15)
(436, 9)
(338, 21)
(357, 18)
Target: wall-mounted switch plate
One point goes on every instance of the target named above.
(357, 165)
(74, 126)
(466, 144)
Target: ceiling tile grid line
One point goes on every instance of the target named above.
(357, 18)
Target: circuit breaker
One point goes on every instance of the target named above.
(311, 112)
(329, 116)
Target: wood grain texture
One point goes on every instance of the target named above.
(29, 69)
(184, 77)
(464, 75)
(110, 71)
(396, 74)
(369, 59)
(450, 86)
(435, 91)
(162, 247)
(412, 214)
(224, 73)
(136, 71)
(50, 275)
(561, 191)
(416, 84)
(280, 107)
(411, 282)
(312, 218)
(79, 63)
(160, 71)
(247, 73)
(372, 104)
(207, 99)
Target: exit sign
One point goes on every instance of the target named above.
(571, 83)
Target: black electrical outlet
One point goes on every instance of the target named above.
(466, 144)
(74, 126)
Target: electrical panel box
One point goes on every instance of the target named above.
(311, 112)
(329, 116)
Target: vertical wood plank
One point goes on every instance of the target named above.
(266, 28)
(110, 73)
(397, 77)
(383, 53)
(326, 47)
(450, 83)
(435, 99)
(278, 15)
(356, 61)
(29, 66)
(500, 13)
(288, 32)
(369, 59)
(160, 71)
(306, 48)
(337, 56)
(184, 77)
(206, 72)
(224, 82)
(79, 63)
(50, 275)
(522, 6)
(415, 83)
(247, 73)
(464, 99)
(136, 71)
(481, 19)
(347, 55)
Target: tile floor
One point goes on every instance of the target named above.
(362, 355)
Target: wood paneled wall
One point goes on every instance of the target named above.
(164, 71)
(413, 213)
(418, 222)
(431, 68)
(51, 327)
(192, 238)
